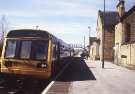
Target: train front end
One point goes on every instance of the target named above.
(26, 55)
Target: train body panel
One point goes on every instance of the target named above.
(24, 67)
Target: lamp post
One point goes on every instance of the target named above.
(89, 39)
(103, 37)
(84, 42)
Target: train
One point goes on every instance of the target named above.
(34, 53)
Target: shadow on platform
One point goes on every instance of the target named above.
(77, 70)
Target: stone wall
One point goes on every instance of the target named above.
(108, 45)
(125, 51)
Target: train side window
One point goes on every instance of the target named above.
(25, 49)
(10, 49)
(57, 49)
(54, 51)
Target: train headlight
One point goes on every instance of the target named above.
(42, 65)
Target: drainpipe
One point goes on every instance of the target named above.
(130, 53)
(103, 37)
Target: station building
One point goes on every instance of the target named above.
(107, 37)
(125, 36)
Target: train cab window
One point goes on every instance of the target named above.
(25, 49)
(10, 49)
(40, 49)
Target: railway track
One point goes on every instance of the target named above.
(25, 85)
(22, 85)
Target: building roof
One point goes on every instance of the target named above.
(93, 39)
(111, 17)
(120, 2)
(128, 13)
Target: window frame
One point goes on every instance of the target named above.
(127, 33)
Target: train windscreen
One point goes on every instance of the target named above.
(10, 49)
(27, 49)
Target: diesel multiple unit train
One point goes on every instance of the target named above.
(33, 53)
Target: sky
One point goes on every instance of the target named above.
(66, 19)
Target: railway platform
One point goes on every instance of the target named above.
(112, 79)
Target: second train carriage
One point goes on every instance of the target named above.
(32, 53)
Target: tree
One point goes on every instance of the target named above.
(3, 30)
(3, 26)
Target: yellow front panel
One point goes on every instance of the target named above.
(50, 56)
(25, 67)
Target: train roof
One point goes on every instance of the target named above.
(28, 33)
(34, 33)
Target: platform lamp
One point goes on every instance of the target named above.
(89, 39)
(103, 39)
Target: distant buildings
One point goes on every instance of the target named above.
(119, 35)
(93, 51)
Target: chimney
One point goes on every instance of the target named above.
(121, 7)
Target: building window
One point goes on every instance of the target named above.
(127, 32)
